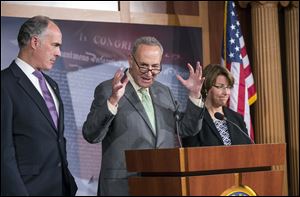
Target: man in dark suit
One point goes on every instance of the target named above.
(216, 91)
(133, 111)
(33, 148)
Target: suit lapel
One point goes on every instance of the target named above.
(230, 127)
(134, 100)
(32, 92)
(158, 112)
(212, 125)
(60, 124)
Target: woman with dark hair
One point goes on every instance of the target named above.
(221, 125)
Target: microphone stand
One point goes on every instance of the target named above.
(177, 124)
(252, 142)
(220, 116)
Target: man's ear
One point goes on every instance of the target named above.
(130, 61)
(34, 42)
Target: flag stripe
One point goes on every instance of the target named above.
(241, 92)
(243, 51)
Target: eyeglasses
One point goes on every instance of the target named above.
(145, 69)
(223, 87)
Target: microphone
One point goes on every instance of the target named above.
(220, 116)
(177, 117)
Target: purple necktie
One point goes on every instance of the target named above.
(47, 96)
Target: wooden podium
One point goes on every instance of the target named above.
(214, 170)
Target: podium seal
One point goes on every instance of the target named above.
(241, 190)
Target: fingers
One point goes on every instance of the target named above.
(125, 81)
(202, 79)
(198, 68)
(180, 79)
(191, 69)
(118, 75)
(199, 71)
(119, 80)
(117, 87)
(120, 84)
(118, 72)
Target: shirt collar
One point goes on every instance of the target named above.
(25, 67)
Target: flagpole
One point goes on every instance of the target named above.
(224, 33)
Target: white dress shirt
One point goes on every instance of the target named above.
(28, 70)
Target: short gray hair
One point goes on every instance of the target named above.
(147, 40)
(34, 26)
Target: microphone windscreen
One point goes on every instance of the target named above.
(219, 116)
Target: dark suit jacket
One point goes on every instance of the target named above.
(33, 151)
(130, 128)
(209, 135)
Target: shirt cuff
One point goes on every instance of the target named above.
(112, 108)
(197, 102)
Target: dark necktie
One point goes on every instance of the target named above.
(47, 96)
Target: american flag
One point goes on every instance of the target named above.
(235, 56)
